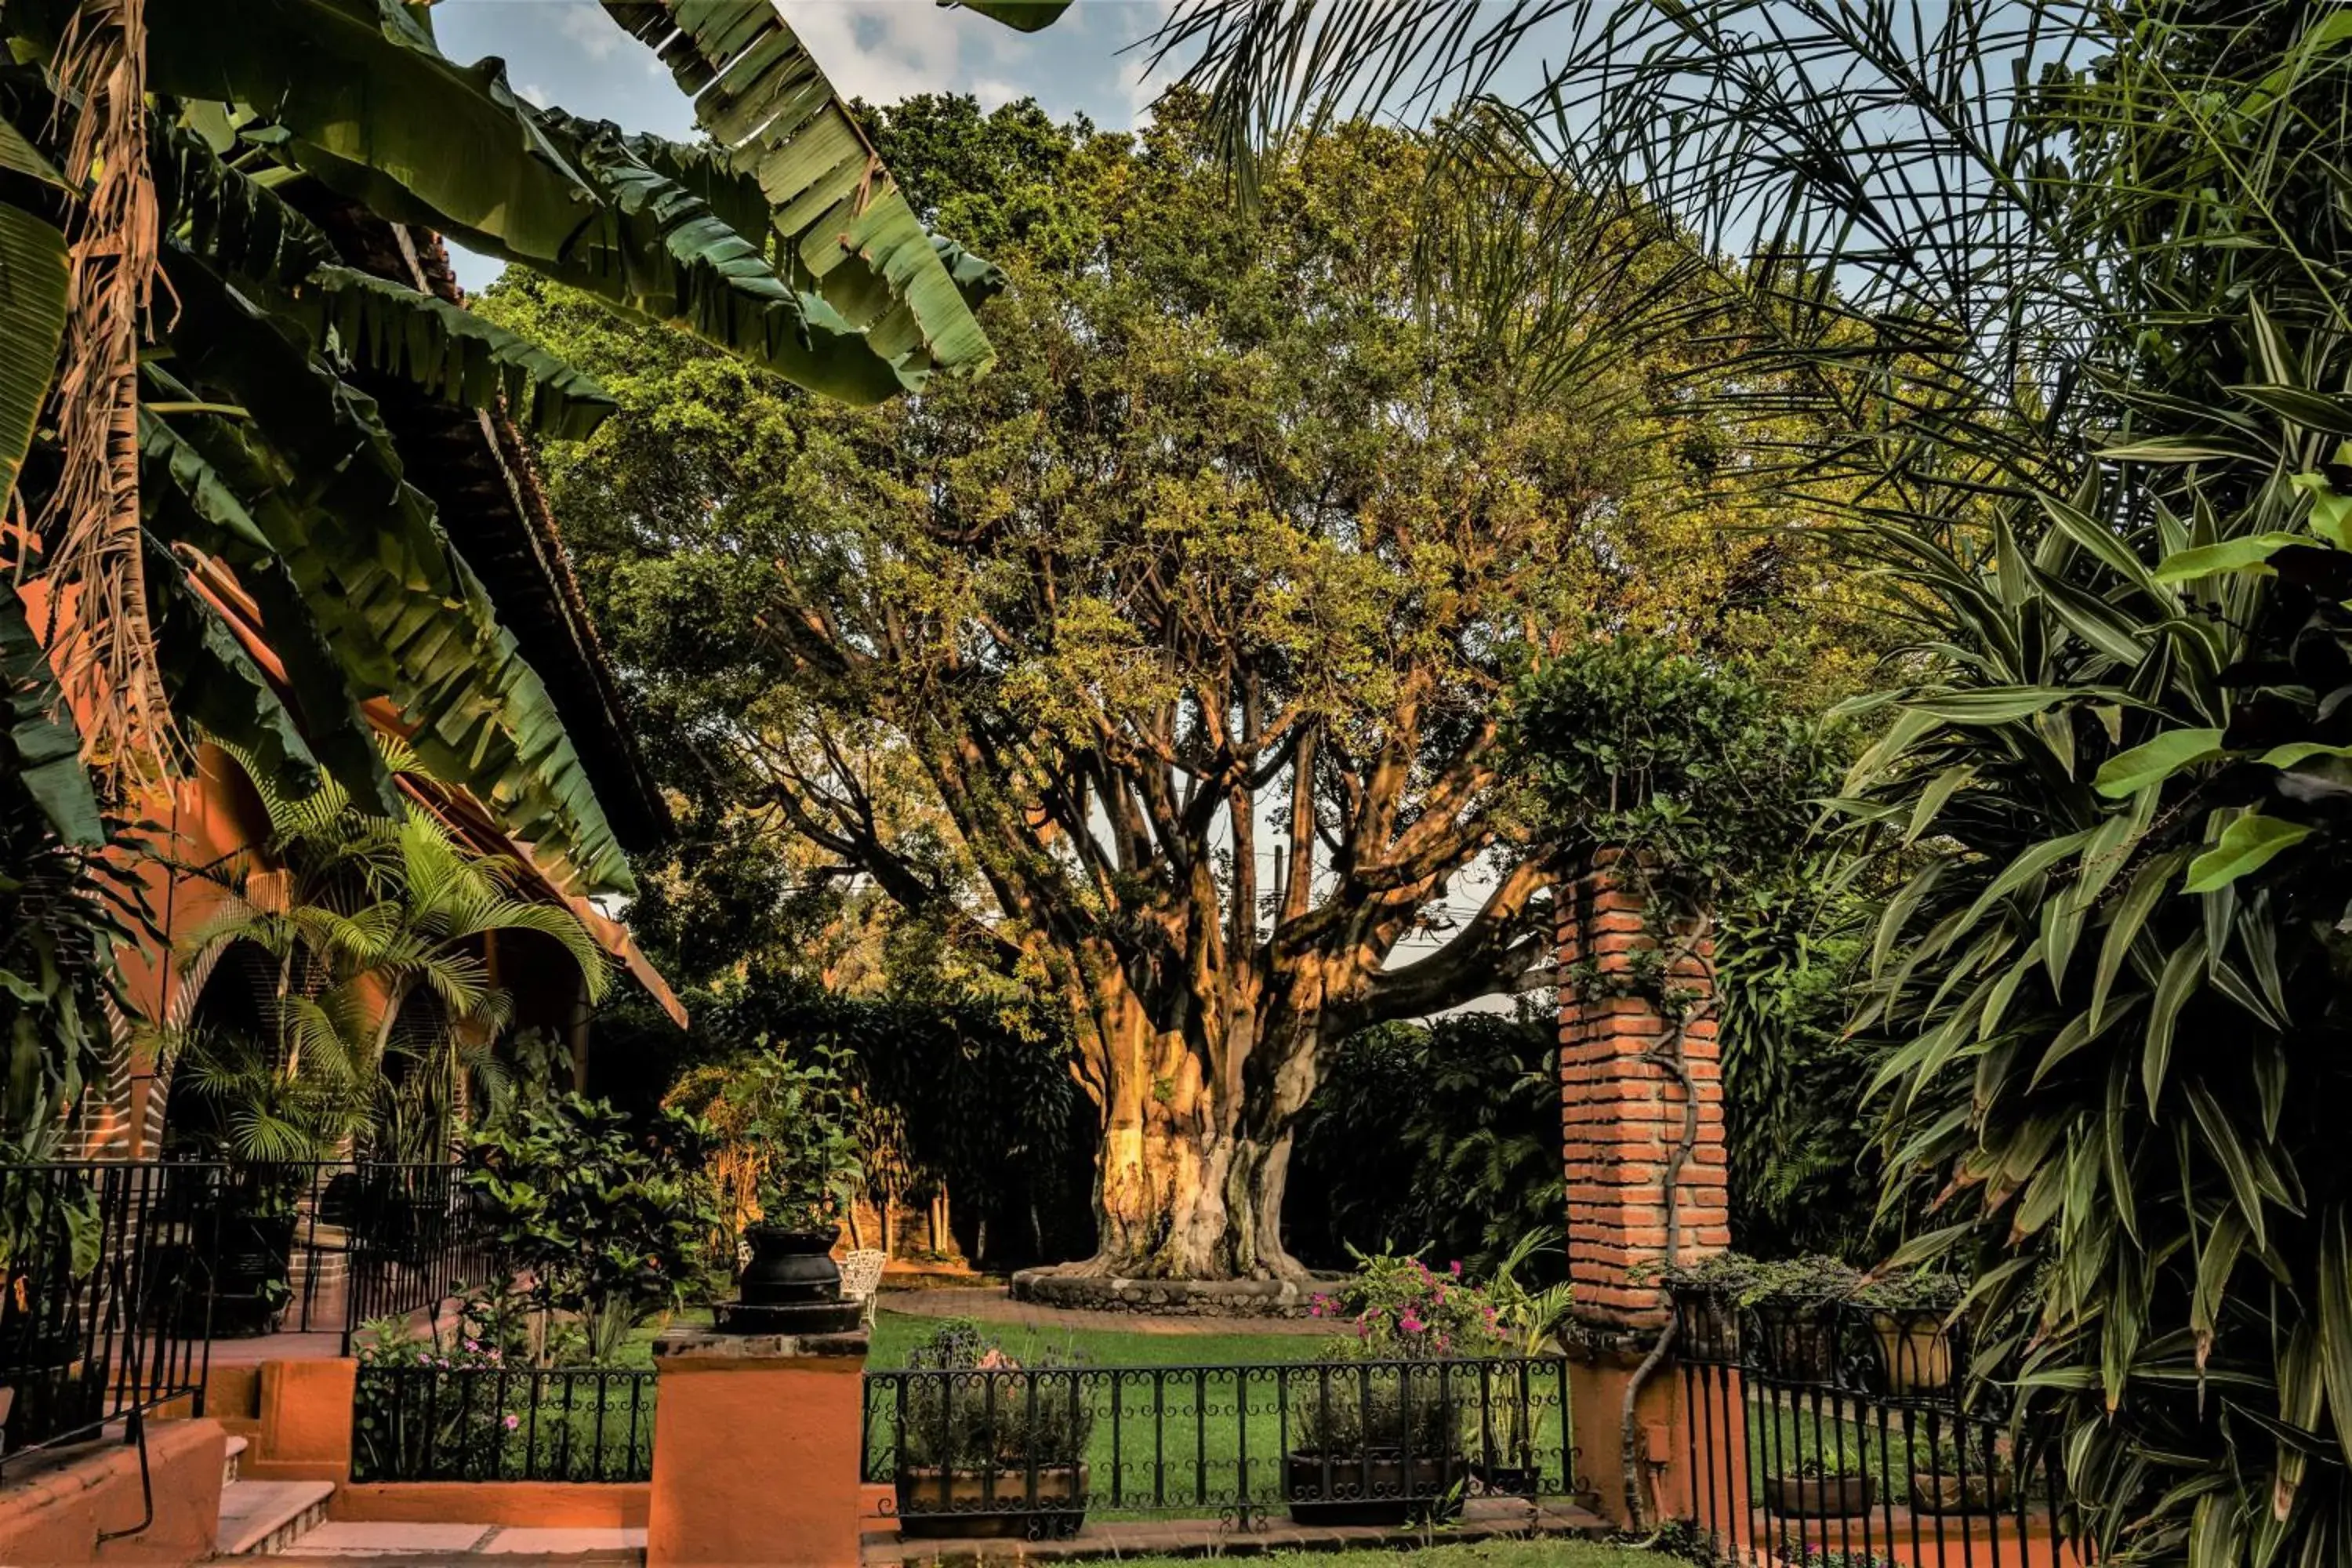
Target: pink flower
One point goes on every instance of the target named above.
(1457, 1268)
(1412, 1323)
(513, 1421)
(1315, 1308)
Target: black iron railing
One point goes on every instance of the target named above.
(327, 1245)
(435, 1423)
(1037, 1450)
(102, 1312)
(1838, 1431)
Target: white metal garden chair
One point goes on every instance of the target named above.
(861, 1279)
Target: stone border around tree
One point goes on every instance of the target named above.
(1171, 1297)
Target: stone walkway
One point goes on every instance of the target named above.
(994, 1304)
(1483, 1519)
(397, 1545)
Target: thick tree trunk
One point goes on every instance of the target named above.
(1189, 1180)
(1174, 1202)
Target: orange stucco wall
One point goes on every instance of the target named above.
(756, 1462)
(305, 1433)
(56, 1515)
(551, 1505)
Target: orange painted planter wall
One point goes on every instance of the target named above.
(756, 1462)
(55, 1516)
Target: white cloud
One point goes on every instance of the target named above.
(534, 92)
(589, 29)
(882, 50)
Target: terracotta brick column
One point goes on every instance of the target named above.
(1622, 1117)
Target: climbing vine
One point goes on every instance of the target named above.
(1675, 780)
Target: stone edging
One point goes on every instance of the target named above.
(1170, 1298)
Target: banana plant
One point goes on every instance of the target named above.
(258, 446)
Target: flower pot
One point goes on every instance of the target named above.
(51, 1391)
(1799, 1343)
(981, 1500)
(1915, 1348)
(1507, 1480)
(1951, 1494)
(1824, 1497)
(1428, 1488)
(1710, 1326)
(789, 1266)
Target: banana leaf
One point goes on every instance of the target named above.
(32, 325)
(762, 96)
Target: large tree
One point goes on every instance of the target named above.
(1177, 644)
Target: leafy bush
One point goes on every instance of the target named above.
(1442, 1137)
(609, 1225)
(788, 1156)
(976, 1419)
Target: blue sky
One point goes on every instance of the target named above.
(569, 52)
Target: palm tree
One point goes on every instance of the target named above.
(373, 940)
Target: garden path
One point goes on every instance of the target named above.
(994, 1304)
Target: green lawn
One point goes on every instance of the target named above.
(896, 1333)
(1194, 1438)
(1479, 1554)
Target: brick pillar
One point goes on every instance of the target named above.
(1621, 1118)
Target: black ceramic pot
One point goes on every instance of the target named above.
(789, 1266)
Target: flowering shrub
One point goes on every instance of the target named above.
(1400, 1309)
(401, 1419)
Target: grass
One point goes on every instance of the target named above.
(1476, 1554)
(896, 1333)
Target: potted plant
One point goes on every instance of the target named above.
(1910, 1317)
(978, 1431)
(1378, 1436)
(1511, 1437)
(271, 1115)
(1795, 1302)
(1707, 1296)
(1964, 1472)
(787, 1167)
(1824, 1487)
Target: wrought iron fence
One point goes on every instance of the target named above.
(102, 1312)
(433, 1423)
(326, 1246)
(1037, 1450)
(1837, 1432)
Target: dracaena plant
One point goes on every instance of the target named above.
(2063, 284)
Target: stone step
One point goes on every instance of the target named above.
(262, 1518)
(229, 1467)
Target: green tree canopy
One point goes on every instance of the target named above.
(1161, 668)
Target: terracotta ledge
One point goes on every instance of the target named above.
(705, 1344)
